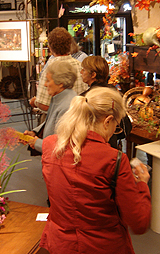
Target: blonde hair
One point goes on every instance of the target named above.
(85, 113)
(98, 65)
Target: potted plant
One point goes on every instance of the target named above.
(8, 140)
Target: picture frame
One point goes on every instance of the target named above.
(15, 41)
(7, 5)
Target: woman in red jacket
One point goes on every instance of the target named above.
(78, 167)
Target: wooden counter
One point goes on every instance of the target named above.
(138, 136)
(20, 232)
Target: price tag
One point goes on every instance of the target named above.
(110, 48)
(42, 217)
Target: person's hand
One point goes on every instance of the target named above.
(32, 102)
(30, 133)
(141, 173)
(32, 142)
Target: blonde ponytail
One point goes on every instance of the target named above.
(73, 126)
(84, 114)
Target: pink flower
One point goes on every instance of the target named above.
(4, 112)
(8, 136)
(2, 208)
(2, 201)
(2, 218)
(4, 163)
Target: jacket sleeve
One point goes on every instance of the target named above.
(133, 199)
(38, 145)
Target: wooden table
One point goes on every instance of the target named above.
(20, 232)
(138, 136)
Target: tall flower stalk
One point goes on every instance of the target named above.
(8, 140)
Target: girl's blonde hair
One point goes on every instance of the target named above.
(84, 114)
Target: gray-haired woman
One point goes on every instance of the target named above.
(60, 79)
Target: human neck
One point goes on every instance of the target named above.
(91, 81)
(99, 128)
(59, 54)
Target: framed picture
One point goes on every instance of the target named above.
(7, 5)
(15, 41)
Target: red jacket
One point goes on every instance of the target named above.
(83, 217)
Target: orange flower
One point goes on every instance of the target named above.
(131, 34)
(134, 54)
(143, 4)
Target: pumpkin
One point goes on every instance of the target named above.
(150, 37)
(146, 113)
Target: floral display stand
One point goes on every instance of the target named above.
(154, 150)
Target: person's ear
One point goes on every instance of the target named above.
(61, 86)
(93, 75)
(107, 120)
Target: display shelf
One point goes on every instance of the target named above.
(142, 62)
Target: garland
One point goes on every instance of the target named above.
(109, 18)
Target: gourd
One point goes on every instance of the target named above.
(147, 91)
(150, 37)
(144, 99)
(141, 99)
(146, 113)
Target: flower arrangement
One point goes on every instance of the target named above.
(113, 6)
(139, 79)
(119, 72)
(8, 140)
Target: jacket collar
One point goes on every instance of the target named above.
(95, 136)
